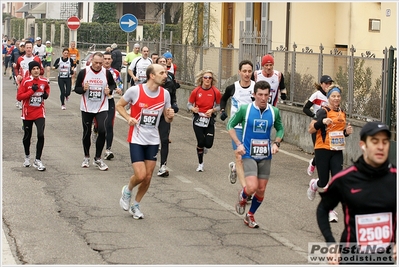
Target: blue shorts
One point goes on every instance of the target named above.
(143, 152)
(239, 135)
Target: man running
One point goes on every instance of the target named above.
(148, 101)
(256, 147)
(241, 92)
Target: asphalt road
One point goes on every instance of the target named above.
(71, 215)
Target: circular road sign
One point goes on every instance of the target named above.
(73, 23)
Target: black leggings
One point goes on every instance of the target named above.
(65, 88)
(314, 141)
(87, 121)
(164, 131)
(28, 125)
(109, 128)
(205, 137)
(328, 161)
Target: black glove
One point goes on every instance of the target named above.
(175, 107)
(223, 116)
(77, 61)
(72, 72)
(35, 87)
(45, 95)
(37, 53)
(283, 96)
(252, 98)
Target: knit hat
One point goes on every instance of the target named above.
(168, 55)
(33, 64)
(267, 59)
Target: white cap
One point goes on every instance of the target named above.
(48, 42)
(38, 38)
(21, 43)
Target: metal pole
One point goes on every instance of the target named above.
(127, 67)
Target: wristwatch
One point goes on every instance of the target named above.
(277, 144)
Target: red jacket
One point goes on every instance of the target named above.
(33, 102)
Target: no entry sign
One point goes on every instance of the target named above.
(73, 23)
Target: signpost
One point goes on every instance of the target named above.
(128, 23)
(73, 24)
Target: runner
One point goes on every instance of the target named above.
(256, 147)
(148, 101)
(204, 102)
(32, 92)
(367, 191)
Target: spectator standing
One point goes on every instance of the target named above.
(143, 134)
(367, 191)
(116, 57)
(274, 77)
(95, 84)
(66, 68)
(32, 92)
(138, 67)
(204, 102)
(317, 100)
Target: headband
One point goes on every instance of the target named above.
(335, 89)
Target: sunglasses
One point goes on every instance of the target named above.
(208, 77)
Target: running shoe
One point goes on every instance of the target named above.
(163, 172)
(333, 216)
(205, 150)
(135, 211)
(124, 202)
(67, 98)
(232, 173)
(100, 164)
(250, 221)
(200, 167)
(20, 105)
(94, 136)
(10, 77)
(311, 168)
(63, 107)
(108, 155)
(27, 162)
(240, 206)
(86, 163)
(39, 165)
(312, 189)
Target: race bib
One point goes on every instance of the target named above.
(337, 140)
(374, 229)
(202, 120)
(141, 74)
(149, 118)
(35, 100)
(260, 148)
(64, 73)
(95, 93)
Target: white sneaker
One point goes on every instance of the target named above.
(311, 168)
(163, 172)
(312, 189)
(135, 211)
(124, 202)
(200, 167)
(100, 164)
(86, 163)
(108, 155)
(27, 162)
(333, 216)
(39, 165)
(205, 150)
(232, 173)
(63, 107)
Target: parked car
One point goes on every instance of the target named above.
(87, 59)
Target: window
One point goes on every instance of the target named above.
(374, 25)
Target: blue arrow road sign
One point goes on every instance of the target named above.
(128, 22)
